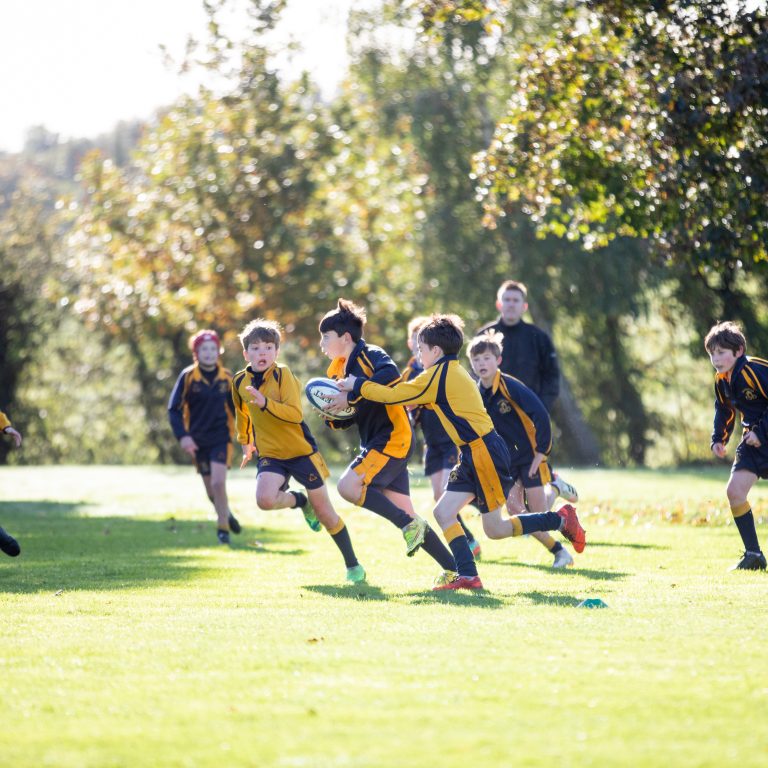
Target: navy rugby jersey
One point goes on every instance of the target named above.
(744, 389)
(424, 416)
(519, 416)
(386, 428)
(201, 407)
(528, 354)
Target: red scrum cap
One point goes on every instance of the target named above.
(205, 335)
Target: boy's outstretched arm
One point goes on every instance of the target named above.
(418, 391)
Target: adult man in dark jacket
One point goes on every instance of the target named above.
(528, 354)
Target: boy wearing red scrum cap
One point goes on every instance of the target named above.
(202, 417)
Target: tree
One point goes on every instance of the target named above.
(26, 308)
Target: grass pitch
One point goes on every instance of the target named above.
(128, 637)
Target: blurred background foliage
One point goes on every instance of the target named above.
(610, 155)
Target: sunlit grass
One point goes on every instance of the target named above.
(129, 638)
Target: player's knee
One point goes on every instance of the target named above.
(350, 491)
(735, 493)
(493, 529)
(265, 500)
(443, 517)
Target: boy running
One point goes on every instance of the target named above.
(440, 452)
(377, 479)
(521, 419)
(202, 418)
(270, 425)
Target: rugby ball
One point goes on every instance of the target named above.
(319, 392)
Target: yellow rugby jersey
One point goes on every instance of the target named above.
(4, 421)
(451, 392)
(277, 430)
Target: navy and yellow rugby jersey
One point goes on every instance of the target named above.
(519, 416)
(277, 430)
(743, 388)
(433, 431)
(201, 406)
(450, 390)
(385, 428)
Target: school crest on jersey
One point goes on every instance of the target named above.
(504, 407)
(223, 387)
(750, 394)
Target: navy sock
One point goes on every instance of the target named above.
(465, 563)
(377, 502)
(540, 521)
(558, 546)
(746, 525)
(301, 499)
(344, 543)
(438, 551)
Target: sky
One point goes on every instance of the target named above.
(80, 66)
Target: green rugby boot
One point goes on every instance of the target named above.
(355, 574)
(414, 533)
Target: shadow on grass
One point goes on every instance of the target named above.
(551, 598)
(348, 591)
(63, 550)
(590, 573)
(624, 545)
(368, 592)
(464, 598)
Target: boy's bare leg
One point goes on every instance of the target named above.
(216, 488)
(439, 480)
(738, 488)
(446, 513)
(337, 529)
(321, 502)
(739, 485)
(269, 495)
(537, 502)
(551, 494)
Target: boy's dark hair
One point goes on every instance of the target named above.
(444, 331)
(512, 285)
(261, 329)
(727, 335)
(346, 318)
(492, 342)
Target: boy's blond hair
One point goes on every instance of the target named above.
(416, 324)
(491, 341)
(261, 329)
(726, 335)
